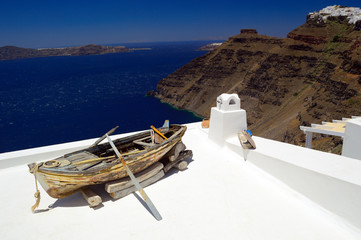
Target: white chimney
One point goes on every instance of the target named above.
(227, 119)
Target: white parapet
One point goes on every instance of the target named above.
(227, 119)
(331, 181)
(352, 139)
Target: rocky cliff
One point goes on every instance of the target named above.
(312, 75)
(12, 52)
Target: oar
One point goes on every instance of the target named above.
(136, 183)
(104, 136)
(160, 134)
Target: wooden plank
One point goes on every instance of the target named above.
(87, 165)
(182, 156)
(126, 182)
(136, 183)
(147, 182)
(91, 197)
(175, 151)
(104, 136)
(147, 141)
(79, 157)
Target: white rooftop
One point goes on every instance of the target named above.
(353, 14)
(280, 192)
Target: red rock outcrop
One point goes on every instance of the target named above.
(249, 31)
(309, 39)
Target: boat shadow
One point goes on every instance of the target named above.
(168, 174)
(77, 200)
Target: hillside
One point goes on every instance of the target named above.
(12, 52)
(312, 75)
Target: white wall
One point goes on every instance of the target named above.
(329, 180)
(224, 124)
(352, 140)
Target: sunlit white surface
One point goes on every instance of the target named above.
(219, 196)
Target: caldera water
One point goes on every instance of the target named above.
(51, 100)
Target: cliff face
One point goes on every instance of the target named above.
(313, 75)
(12, 52)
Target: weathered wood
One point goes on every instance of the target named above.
(147, 141)
(174, 152)
(31, 165)
(182, 156)
(65, 179)
(126, 182)
(91, 197)
(147, 182)
(182, 165)
(246, 140)
(104, 136)
(81, 157)
(136, 183)
(159, 133)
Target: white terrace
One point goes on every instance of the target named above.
(277, 191)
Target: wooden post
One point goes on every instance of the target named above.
(175, 151)
(91, 197)
(182, 156)
(147, 182)
(126, 182)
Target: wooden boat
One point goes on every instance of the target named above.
(245, 138)
(98, 164)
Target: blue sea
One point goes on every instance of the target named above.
(53, 100)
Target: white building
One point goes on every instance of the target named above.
(281, 191)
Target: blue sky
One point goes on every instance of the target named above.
(70, 23)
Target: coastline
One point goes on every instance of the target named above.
(176, 108)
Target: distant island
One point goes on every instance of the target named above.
(12, 52)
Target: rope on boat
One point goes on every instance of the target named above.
(51, 164)
(34, 170)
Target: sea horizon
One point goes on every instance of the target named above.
(126, 44)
